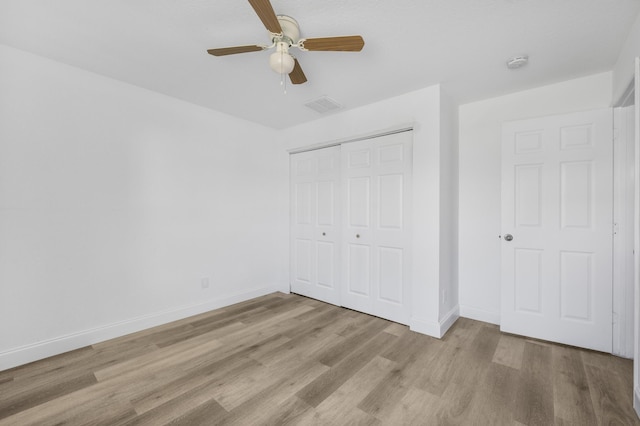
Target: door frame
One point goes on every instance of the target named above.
(636, 218)
(623, 241)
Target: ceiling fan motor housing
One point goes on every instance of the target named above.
(290, 30)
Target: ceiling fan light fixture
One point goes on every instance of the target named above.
(281, 62)
(284, 33)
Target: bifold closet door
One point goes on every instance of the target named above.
(315, 227)
(376, 241)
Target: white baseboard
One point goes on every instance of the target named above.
(432, 328)
(480, 314)
(636, 400)
(448, 320)
(46, 348)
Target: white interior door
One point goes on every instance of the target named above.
(557, 186)
(315, 227)
(376, 180)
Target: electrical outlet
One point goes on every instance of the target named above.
(204, 283)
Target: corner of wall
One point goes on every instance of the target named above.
(448, 285)
(623, 69)
(435, 329)
(425, 326)
(285, 212)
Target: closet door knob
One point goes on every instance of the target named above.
(357, 235)
(324, 233)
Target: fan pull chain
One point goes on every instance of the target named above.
(283, 80)
(283, 83)
(281, 68)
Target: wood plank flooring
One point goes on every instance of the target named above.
(285, 359)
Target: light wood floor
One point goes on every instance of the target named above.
(286, 359)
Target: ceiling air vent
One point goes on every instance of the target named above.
(323, 105)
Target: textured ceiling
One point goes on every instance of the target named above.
(463, 44)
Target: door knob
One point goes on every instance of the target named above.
(324, 233)
(508, 237)
(357, 235)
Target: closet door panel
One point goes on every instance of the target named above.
(350, 227)
(358, 264)
(391, 270)
(359, 202)
(326, 208)
(315, 224)
(303, 266)
(302, 201)
(391, 206)
(377, 176)
(325, 255)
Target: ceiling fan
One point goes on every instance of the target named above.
(285, 33)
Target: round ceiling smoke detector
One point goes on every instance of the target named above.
(517, 62)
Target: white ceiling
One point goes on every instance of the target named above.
(409, 44)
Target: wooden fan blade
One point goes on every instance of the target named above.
(297, 75)
(266, 14)
(233, 50)
(344, 43)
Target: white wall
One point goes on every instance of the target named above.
(116, 201)
(623, 70)
(420, 109)
(479, 179)
(449, 210)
